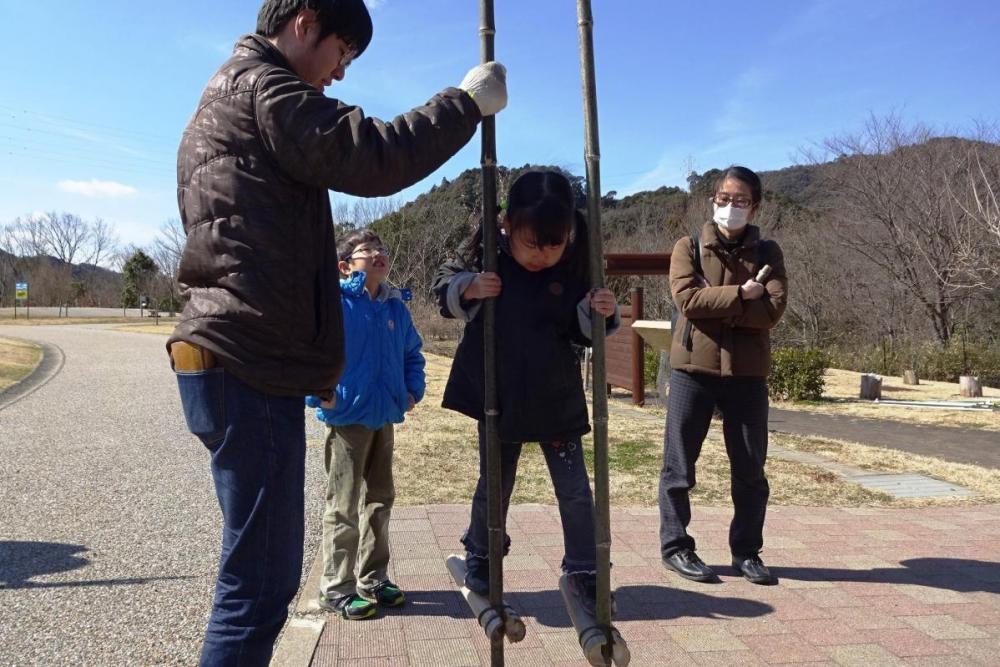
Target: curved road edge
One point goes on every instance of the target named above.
(49, 367)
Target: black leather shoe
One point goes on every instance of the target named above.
(754, 570)
(687, 564)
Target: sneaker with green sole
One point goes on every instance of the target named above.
(386, 594)
(350, 607)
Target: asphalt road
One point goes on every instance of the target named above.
(109, 527)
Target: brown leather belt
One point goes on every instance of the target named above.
(189, 358)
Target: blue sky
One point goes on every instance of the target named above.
(95, 94)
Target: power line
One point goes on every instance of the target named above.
(58, 121)
(60, 147)
(29, 154)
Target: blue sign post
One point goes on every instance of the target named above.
(21, 294)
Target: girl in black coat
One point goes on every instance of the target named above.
(543, 308)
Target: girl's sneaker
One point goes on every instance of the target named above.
(350, 607)
(386, 594)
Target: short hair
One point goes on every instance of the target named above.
(356, 238)
(744, 175)
(348, 19)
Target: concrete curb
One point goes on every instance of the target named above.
(49, 367)
(297, 644)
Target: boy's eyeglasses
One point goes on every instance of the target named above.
(723, 199)
(368, 253)
(347, 54)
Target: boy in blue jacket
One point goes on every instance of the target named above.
(383, 379)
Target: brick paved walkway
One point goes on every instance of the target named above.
(857, 587)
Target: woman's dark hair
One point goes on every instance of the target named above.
(349, 19)
(744, 175)
(356, 238)
(541, 204)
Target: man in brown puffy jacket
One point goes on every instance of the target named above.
(720, 358)
(262, 327)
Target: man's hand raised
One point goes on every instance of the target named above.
(486, 84)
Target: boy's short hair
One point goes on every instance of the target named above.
(350, 243)
(349, 19)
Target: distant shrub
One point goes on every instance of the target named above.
(650, 364)
(797, 374)
(929, 360)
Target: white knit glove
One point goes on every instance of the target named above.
(486, 84)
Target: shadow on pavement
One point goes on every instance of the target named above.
(634, 603)
(22, 561)
(955, 574)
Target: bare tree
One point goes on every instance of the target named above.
(29, 235)
(419, 239)
(103, 241)
(63, 235)
(10, 260)
(976, 215)
(817, 308)
(889, 188)
(169, 246)
(363, 212)
(166, 252)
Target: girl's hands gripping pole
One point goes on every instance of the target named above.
(602, 300)
(486, 285)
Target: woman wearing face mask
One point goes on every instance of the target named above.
(720, 358)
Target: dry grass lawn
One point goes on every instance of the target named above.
(17, 359)
(39, 321)
(437, 461)
(161, 329)
(841, 397)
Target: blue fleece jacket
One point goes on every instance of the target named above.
(383, 362)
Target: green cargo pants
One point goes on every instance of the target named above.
(359, 497)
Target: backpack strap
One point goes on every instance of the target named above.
(696, 252)
(686, 340)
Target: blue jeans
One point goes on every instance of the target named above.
(257, 443)
(572, 487)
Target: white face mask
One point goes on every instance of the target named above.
(729, 217)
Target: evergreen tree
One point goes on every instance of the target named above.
(137, 278)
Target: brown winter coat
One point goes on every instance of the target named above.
(717, 332)
(253, 172)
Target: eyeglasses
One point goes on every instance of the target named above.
(725, 199)
(348, 54)
(368, 253)
(347, 59)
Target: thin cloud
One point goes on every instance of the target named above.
(374, 4)
(671, 169)
(737, 113)
(97, 189)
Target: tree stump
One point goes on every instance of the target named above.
(871, 386)
(910, 377)
(970, 387)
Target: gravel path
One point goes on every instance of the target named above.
(109, 527)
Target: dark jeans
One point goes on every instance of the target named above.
(743, 403)
(572, 487)
(257, 443)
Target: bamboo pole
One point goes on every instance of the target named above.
(494, 506)
(602, 517)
